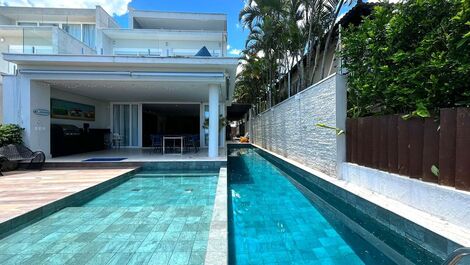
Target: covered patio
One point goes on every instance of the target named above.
(124, 101)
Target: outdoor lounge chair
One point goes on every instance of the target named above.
(19, 153)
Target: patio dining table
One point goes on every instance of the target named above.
(173, 138)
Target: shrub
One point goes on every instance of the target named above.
(10, 134)
(409, 57)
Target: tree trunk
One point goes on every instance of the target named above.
(328, 38)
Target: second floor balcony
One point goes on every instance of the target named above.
(38, 40)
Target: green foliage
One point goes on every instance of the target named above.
(337, 130)
(222, 123)
(281, 34)
(435, 170)
(412, 57)
(10, 134)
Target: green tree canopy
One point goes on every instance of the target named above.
(412, 56)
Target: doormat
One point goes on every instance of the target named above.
(105, 159)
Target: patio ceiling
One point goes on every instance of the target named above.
(131, 78)
(142, 91)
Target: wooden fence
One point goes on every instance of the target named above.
(411, 147)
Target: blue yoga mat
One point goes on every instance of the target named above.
(105, 159)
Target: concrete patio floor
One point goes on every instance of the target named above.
(25, 191)
(142, 155)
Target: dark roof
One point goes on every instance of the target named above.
(203, 52)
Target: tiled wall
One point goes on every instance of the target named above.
(289, 129)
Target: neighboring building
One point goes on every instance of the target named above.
(167, 73)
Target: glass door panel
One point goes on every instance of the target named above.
(125, 124)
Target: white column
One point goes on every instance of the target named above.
(214, 120)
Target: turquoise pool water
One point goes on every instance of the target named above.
(273, 222)
(149, 219)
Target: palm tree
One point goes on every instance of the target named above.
(282, 34)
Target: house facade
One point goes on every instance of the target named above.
(166, 74)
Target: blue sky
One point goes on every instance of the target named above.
(118, 8)
(236, 35)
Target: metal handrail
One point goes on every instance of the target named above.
(456, 256)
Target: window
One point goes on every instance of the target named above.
(89, 34)
(73, 29)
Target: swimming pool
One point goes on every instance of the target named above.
(151, 218)
(280, 216)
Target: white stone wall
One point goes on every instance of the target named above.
(289, 128)
(446, 203)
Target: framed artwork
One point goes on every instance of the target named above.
(63, 109)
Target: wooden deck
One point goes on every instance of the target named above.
(25, 191)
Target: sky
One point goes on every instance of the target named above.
(118, 9)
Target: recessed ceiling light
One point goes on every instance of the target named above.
(2, 39)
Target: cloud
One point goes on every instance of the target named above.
(113, 7)
(236, 52)
(228, 47)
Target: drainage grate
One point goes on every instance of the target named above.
(188, 190)
(136, 189)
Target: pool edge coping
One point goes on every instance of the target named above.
(217, 243)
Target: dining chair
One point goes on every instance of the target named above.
(157, 142)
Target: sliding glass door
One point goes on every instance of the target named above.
(125, 118)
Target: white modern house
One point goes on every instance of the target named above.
(166, 74)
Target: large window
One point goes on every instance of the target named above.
(125, 124)
(73, 29)
(89, 34)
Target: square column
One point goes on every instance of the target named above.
(214, 120)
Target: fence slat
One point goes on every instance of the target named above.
(430, 149)
(367, 137)
(415, 136)
(383, 151)
(349, 136)
(447, 147)
(462, 154)
(403, 147)
(392, 143)
(375, 141)
(354, 149)
(360, 142)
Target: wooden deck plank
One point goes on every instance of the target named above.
(25, 191)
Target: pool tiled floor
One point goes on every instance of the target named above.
(146, 220)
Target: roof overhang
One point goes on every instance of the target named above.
(177, 20)
(49, 14)
(212, 70)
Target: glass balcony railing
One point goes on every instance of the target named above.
(39, 40)
(161, 52)
(48, 40)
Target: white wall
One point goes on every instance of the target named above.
(440, 201)
(21, 97)
(289, 128)
(102, 110)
